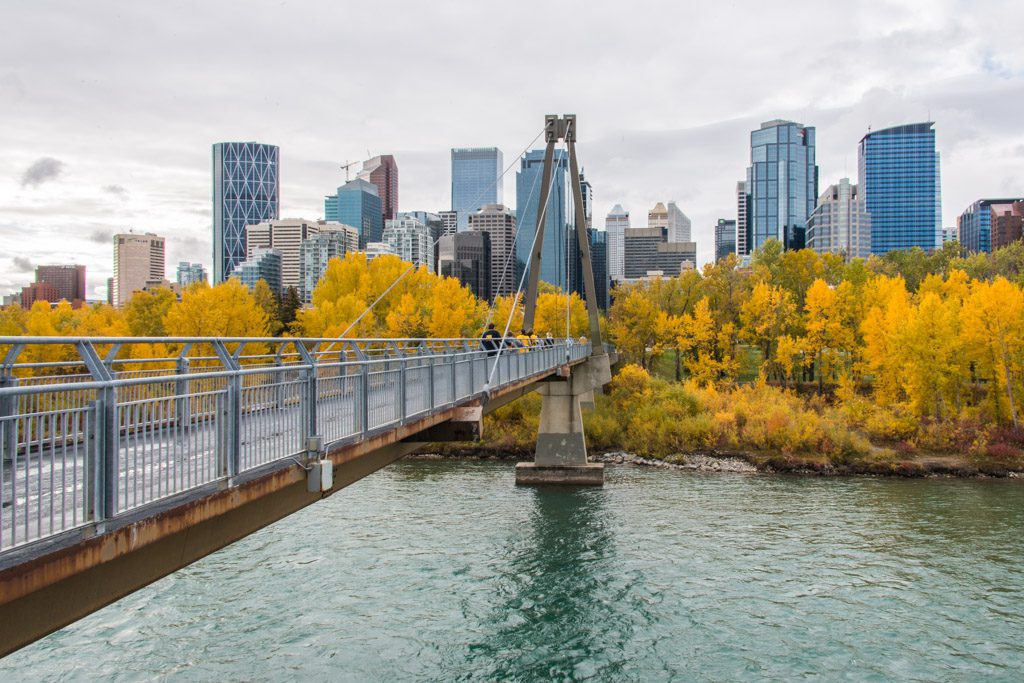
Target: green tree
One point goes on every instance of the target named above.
(146, 310)
(290, 305)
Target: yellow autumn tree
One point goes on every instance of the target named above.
(887, 306)
(768, 314)
(992, 331)
(633, 325)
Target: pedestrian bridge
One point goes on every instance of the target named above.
(125, 459)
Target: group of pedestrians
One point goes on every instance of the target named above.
(492, 340)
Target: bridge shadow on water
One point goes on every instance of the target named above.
(556, 614)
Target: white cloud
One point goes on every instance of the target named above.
(133, 95)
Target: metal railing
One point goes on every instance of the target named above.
(93, 427)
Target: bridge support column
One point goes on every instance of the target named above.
(561, 455)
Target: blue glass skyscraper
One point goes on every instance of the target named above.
(554, 264)
(476, 180)
(899, 175)
(357, 203)
(246, 191)
(782, 181)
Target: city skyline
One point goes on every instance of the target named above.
(93, 150)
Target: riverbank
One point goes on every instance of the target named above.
(752, 463)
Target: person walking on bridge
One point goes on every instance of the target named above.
(490, 339)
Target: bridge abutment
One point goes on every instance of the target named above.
(561, 455)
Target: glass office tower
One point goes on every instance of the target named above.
(899, 176)
(357, 203)
(246, 191)
(476, 180)
(782, 181)
(554, 263)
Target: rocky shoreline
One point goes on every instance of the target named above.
(748, 463)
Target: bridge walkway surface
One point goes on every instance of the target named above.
(122, 459)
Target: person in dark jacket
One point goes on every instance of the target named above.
(490, 339)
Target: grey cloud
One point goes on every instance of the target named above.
(22, 264)
(101, 236)
(116, 190)
(41, 171)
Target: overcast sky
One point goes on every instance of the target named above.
(108, 109)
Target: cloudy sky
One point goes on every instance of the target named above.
(109, 108)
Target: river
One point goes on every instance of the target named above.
(444, 570)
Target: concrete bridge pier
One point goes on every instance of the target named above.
(561, 455)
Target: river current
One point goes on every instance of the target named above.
(444, 570)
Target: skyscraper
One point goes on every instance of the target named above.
(648, 252)
(498, 222)
(246, 191)
(333, 241)
(615, 224)
(466, 256)
(743, 234)
(554, 267)
(382, 171)
(286, 237)
(599, 257)
(138, 261)
(899, 176)
(476, 180)
(262, 264)
(190, 273)
(725, 238)
(782, 181)
(840, 223)
(987, 224)
(357, 203)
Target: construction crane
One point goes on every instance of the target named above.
(347, 166)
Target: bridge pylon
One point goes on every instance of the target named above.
(561, 454)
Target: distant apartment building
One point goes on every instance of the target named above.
(899, 178)
(246, 191)
(138, 261)
(357, 203)
(38, 291)
(410, 239)
(950, 234)
(67, 279)
(382, 172)
(375, 249)
(990, 224)
(500, 223)
(190, 273)
(333, 241)
(466, 256)
(744, 238)
(449, 222)
(782, 181)
(840, 223)
(648, 252)
(286, 237)
(476, 181)
(615, 225)
(725, 238)
(262, 264)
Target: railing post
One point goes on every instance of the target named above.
(309, 395)
(430, 375)
(364, 413)
(230, 458)
(182, 400)
(402, 390)
(451, 362)
(9, 405)
(106, 470)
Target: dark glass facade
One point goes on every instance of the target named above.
(782, 182)
(554, 267)
(476, 180)
(899, 176)
(357, 203)
(246, 191)
(725, 238)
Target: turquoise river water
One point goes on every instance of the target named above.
(444, 570)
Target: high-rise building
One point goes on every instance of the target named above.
(434, 223)
(375, 249)
(499, 222)
(190, 273)
(476, 180)
(744, 238)
(382, 172)
(67, 279)
(782, 181)
(840, 223)
(357, 203)
(615, 225)
(466, 256)
(587, 192)
(725, 238)
(410, 239)
(246, 191)
(138, 261)
(648, 252)
(899, 176)
(285, 236)
(262, 264)
(950, 234)
(38, 291)
(658, 216)
(599, 258)
(679, 225)
(333, 241)
(988, 224)
(554, 266)
(449, 222)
